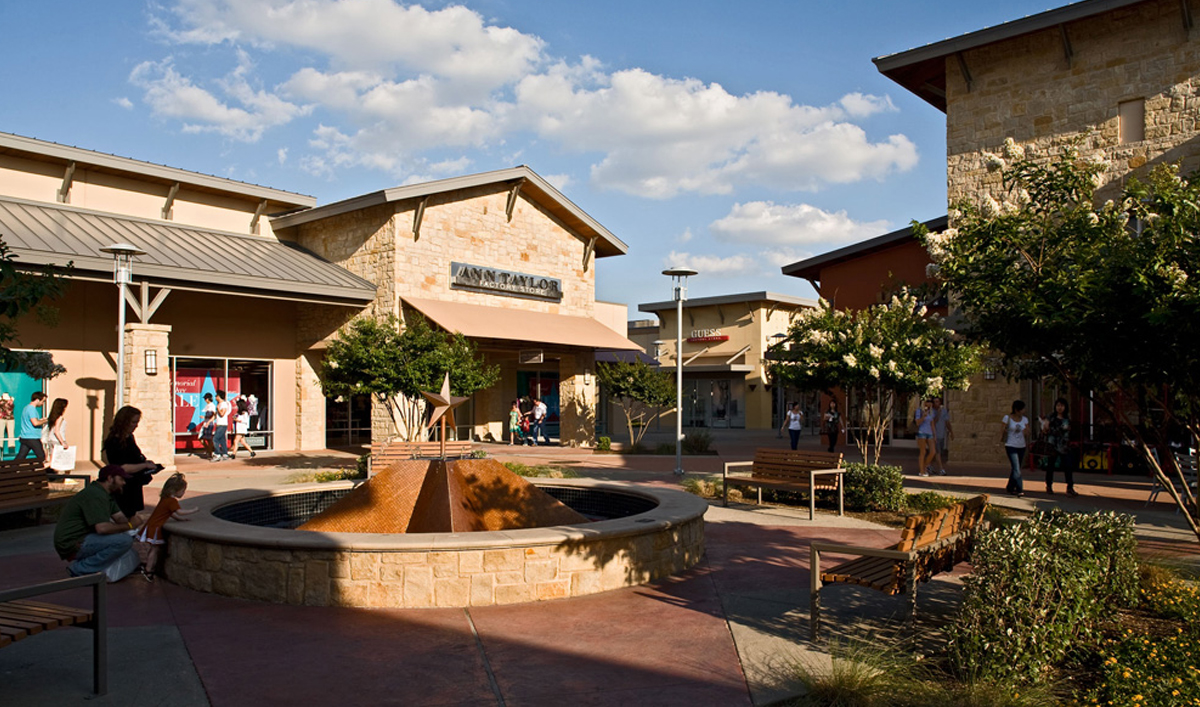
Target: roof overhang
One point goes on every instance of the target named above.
(771, 298)
(711, 368)
(532, 186)
(177, 256)
(811, 268)
(518, 325)
(923, 70)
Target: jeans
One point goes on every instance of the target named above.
(795, 435)
(98, 552)
(1015, 456)
(28, 445)
(221, 440)
(539, 430)
(833, 438)
(1064, 462)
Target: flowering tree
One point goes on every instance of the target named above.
(890, 349)
(1102, 297)
(373, 357)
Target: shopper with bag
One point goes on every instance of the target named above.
(54, 438)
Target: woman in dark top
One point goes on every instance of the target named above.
(120, 448)
(1057, 429)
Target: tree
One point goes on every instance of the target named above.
(644, 393)
(890, 349)
(374, 357)
(21, 293)
(1103, 298)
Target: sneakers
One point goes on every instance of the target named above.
(148, 576)
(1072, 493)
(924, 472)
(941, 472)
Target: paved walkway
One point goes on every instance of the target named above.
(723, 633)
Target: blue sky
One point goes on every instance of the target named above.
(732, 137)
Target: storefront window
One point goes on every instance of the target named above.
(347, 421)
(250, 381)
(714, 402)
(16, 387)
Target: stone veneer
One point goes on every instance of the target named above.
(435, 569)
(151, 394)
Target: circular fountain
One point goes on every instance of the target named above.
(248, 544)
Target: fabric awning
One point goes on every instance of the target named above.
(480, 322)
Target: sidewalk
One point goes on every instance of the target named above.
(722, 633)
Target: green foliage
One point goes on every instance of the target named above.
(644, 393)
(479, 454)
(927, 501)
(665, 449)
(604, 444)
(541, 471)
(22, 293)
(698, 442)
(704, 488)
(874, 487)
(1039, 590)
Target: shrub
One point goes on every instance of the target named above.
(479, 454)
(704, 488)
(699, 442)
(604, 444)
(542, 471)
(874, 487)
(1039, 589)
(928, 501)
(665, 449)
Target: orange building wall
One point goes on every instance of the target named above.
(860, 282)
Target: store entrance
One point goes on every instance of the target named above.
(247, 380)
(544, 385)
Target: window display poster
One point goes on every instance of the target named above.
(20, 387)
(191, 384)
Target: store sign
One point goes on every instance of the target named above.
(477, 277)
(706, 335)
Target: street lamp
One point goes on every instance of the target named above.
(123, 255)
(679, 276)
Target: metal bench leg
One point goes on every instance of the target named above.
(814, 601)
(100, 637)
(760, 495)
(912, 595)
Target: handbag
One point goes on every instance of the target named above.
(63, 459)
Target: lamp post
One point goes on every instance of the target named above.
(780, 390)
(679, 276)
(123, 255)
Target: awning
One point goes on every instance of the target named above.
(177, 256)
(480, 322)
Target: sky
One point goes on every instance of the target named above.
(734, 138)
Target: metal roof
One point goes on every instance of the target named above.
(923, 70)
(810, 269)
(535, 188)
(53, 151)
(730, 299)
(182, 257)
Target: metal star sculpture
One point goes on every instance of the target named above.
(443, 409)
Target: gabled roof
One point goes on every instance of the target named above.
(810, 269)
(181, 257)
(923, 70)
(44, 151)
(730, 299)
(533, 186)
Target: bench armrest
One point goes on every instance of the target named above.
(51, 587)
(730, 465)
(818, 547)
(827, 472)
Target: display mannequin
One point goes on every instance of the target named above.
(7, 423)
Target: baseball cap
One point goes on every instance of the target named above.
(113, 470)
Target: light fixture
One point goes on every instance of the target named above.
(151, 362)
(122, 255)
(587, 376)
(679, 276)
(989, 374)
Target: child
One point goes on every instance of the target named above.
(514, 422)
(168, 507)
(206, 432)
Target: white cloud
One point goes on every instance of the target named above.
(768, 223)
(686, 236)
(400, 83)
(558, 181)
(714, 265)
(282, 155)
(123, 102)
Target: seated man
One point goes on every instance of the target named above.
(92, 532)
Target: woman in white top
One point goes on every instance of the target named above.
(793, 423)
(241, 425)
(1015, 437)
(54, 432)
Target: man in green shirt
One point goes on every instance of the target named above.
(92, 532)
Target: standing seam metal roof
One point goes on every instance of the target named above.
(51, 234)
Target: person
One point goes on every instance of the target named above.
(1057, 429)
(92, 532)
(540, 410)
(241, 425)
(221, 429)
(514, 422)
(121, 448)
(926, 437)
(942, 430)
(1014, 436)
(793, 422)
(832, 421)
(54, 432)
(31, 429)
(168, 508)
(7, 423)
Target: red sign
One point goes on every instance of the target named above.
(700, 339)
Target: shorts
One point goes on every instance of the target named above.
(924, 435)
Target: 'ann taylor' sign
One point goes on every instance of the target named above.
(477, 277)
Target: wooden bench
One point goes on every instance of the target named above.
(21, 618)
(1187, 465)
(25, 485)
(384, 454)
(930, 543)
(790, 470)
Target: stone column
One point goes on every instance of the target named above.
(151, 393)
(577, 400)
(310, 403)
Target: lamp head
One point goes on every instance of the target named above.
(123, 250)
(679, 271)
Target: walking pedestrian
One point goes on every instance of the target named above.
(31, 429)
(793, 422)
(926, 440)
(832, 422)
(221, 429)
(241, 425)
(1015, 437)
(1057, 428)
(54, 432)
(540, 411)
(942, 430)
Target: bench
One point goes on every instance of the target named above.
(21, 618)
(789, 470)
(25, 485)
(383, 455)
(930, 543)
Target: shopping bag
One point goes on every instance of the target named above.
(122, 567)
(63, 459)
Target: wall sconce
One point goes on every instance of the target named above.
(989, 374)
(151, 362)
(587, 376)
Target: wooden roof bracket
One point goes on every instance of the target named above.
(258, 213)
(64, 192)
(512, 198)
(168, 212)
(587, 252)
(143, 307)
(418, 215)
(966, 73)
(1186, 8)
(1068, 51)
